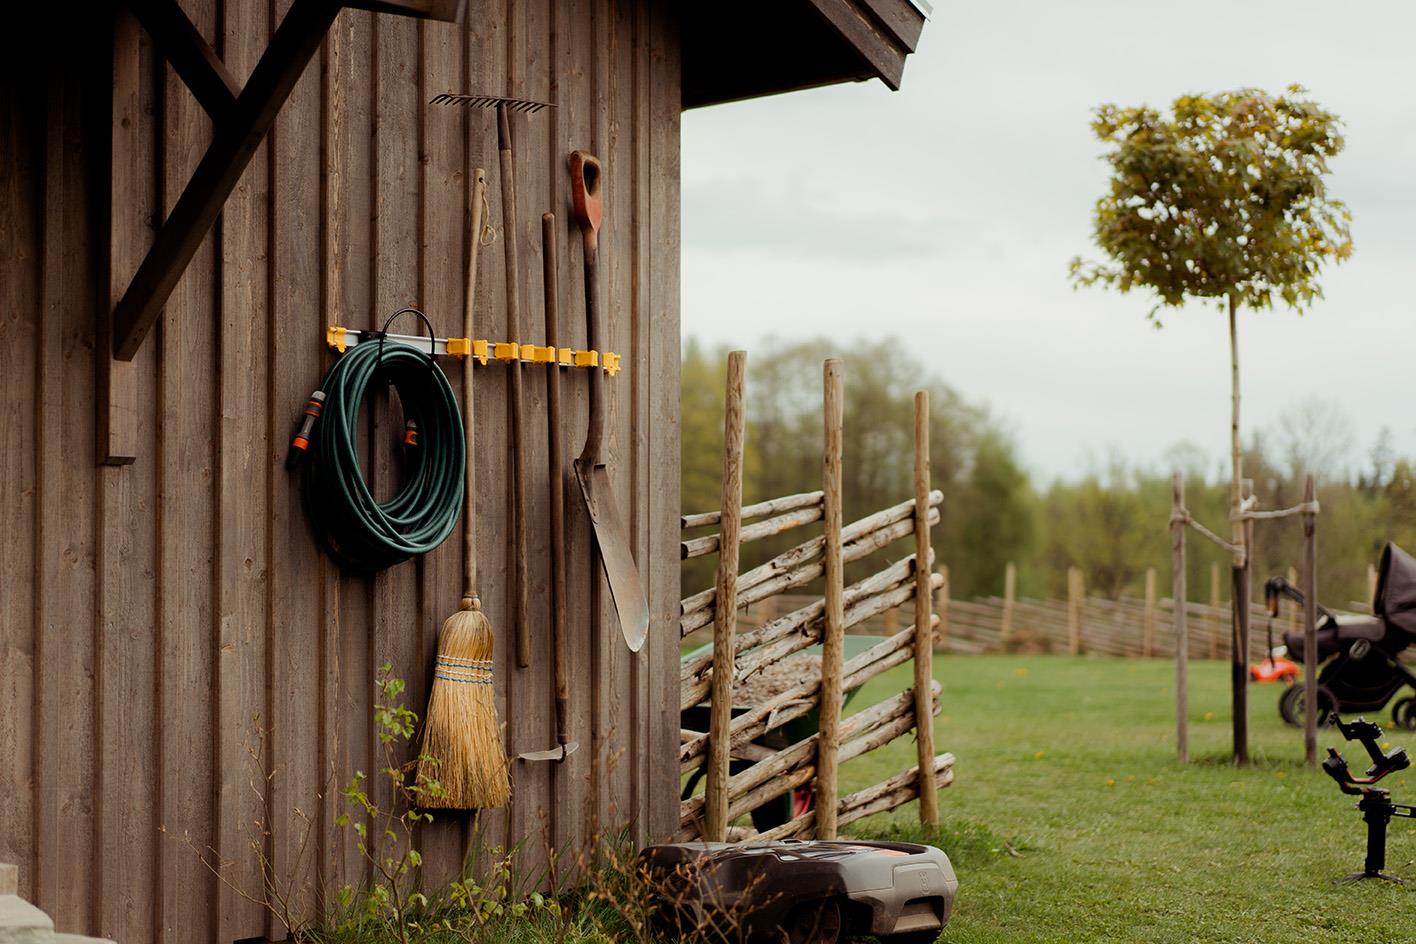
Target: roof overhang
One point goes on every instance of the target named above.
(740, 49)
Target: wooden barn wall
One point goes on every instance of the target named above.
(181, 669)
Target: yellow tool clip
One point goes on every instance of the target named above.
(587, 358)
(507, 351)
(612, 363)
(335, 337)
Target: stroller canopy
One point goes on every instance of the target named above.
(1395, 601)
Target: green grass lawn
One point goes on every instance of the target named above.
(1070, 820)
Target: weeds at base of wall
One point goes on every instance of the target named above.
(617, 900)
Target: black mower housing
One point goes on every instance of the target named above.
(885, 889)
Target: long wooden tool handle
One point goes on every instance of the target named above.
(586, 176)
(551, 286)
(469, 420)
(520, 595)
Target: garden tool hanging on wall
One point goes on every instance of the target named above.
(462, 748)
(559, 670)
(586, 189)
(520, 595)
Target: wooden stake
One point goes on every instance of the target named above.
(1010, 586)
(1213, 620)
(1075, 591)
(1295, 612)
(1148, 616)
(941, 635)
(924, 638)
(1310, 623)
(725, 605)
(833, 638)
(1239, 644)
(1182, 639)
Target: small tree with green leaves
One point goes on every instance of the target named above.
(1224, 199)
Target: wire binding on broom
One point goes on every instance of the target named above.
(473, 671)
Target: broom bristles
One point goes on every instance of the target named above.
(461, 732)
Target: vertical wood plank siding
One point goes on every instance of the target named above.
(181, 669)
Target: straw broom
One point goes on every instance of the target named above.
(461, 733)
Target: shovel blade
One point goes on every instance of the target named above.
(625, 586)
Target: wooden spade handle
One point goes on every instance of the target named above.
(586, 177)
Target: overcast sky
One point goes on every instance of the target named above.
(945, 215)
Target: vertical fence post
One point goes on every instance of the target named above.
(1010, 587)
(1148, 617)
(833, 636)
(725, 606)
(1213, 619)
(1372, 586)
(1310, 622)
(941, 635)
(923, 621)
(1075, 594)
(1182, 638)
(891, 623)
(1239, 644)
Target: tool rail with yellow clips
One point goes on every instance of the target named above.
(483, 351)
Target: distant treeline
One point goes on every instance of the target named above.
(1110, 521)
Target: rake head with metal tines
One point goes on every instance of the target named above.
(490, 101)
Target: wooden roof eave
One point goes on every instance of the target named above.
(794, 45)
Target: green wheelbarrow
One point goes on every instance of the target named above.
(790, 805)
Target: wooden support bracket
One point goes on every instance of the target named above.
(234, 142)
(192, 57)
(241, 118)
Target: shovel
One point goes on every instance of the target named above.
(586, 177)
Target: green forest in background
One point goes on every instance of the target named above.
(1110, 520)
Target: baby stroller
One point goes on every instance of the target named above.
(1359, 668)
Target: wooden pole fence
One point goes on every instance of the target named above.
(1212, 621)
(725, 606)
(1010, 587)
(923, 620)
(1310, 622)
(941, 635)
(833, 637)
(1178, 595)
(1076, 591)
(1148, 618)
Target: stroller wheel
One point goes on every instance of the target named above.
(1404, 713)
(1286, 703)
(1297, 707)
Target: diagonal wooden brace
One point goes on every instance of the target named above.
(234, 142)
(192, 57)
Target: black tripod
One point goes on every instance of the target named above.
(1375, 803)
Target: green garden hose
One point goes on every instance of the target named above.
(360, 533)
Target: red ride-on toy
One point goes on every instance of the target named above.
(1277, 667)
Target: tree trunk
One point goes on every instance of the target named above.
(1239, 650)
(1236, 527)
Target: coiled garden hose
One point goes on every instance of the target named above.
(358, 531)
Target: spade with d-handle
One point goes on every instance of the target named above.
(586, 188)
